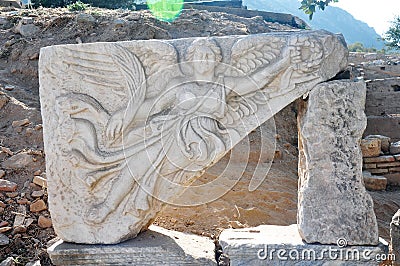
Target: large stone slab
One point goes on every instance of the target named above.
(157, 246)
(282, 245)
(333, 202)
(129, 126)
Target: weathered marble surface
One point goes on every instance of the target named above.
(128, 126)
(157, 246)
(333, 202)
(395, 238)
(282, 245)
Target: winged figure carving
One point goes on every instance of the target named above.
(145, 120)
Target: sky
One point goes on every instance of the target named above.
(376, 14)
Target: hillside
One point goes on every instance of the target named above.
(333, 19)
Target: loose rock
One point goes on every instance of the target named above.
(2, 173)
(395, 148)
(4, 240)
(18, 161)
(20, 123)
(38, 206)
(44, 222)
(37, 194)
(7, 186)
(85, 18)
(40, 181)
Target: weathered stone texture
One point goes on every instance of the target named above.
(370, 147)
(129, 126)
(333, 202)
(374, 182)
(282, 245)
(395, 238)
(157, 246)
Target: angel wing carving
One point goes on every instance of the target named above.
(249, 55)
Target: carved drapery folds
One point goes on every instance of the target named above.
(129, 125)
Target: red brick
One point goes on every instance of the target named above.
(378, 171)
(380, 159)
(386, 165)
(369, 166)
(395, 169)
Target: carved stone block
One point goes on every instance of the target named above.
(157, 246)
(129, 126)
(333, 202)
(283, 246)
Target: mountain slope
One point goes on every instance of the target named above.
(333, 19)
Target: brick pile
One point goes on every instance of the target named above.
(381, 162)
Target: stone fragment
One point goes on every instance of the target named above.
(394, 169)
(5, 229)
(38, 206)
(19, 229)
(370, 147)
(380, 159)
(156, 246)
(18, 161)
(2, 204)
(283, 245)
(19, 218)
(20, 123)
(2, 173)
(393, 179)
(7, 150)
(395, 148)
(37, 172)
(28, 222)
(374, 182)
(12, 194)
(395, 238)
(397, 157)
(4, 240)
(37, 194)
(44, 222)
(23, 201)
(385, 141)
(38, 127)
(26, 30)
(3, 223)
(9, 87)
(333, 202)
(3, 101)
(86, 150)
(33, 263)
(6, 185)
(84, 18)
(40, 181)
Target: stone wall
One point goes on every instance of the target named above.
(381, 158)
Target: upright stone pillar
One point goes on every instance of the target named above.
(395, 238)
(334, 206)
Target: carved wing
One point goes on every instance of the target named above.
(248, 55)
(252, 53)
(161, 61)
(111, 68)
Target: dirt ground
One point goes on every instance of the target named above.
(25, 221)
